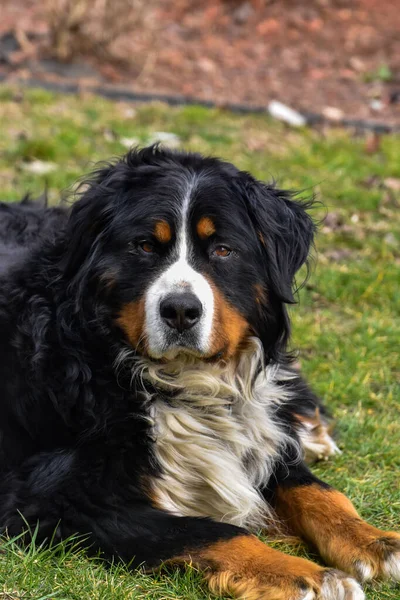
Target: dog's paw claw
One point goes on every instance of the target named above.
(339, 586)
(391, 566)
(382, 560)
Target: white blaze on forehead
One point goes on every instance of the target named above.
(182, 237)
(179, 277)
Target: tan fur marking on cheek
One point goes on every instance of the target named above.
(247, 568)
(162, 232)
(230, 328)
(131, 319)
(205, 228)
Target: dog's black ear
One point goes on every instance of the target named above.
(285, 231)
(88, 218)
(92, 212)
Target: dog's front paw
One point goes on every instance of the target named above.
(380, 558)
(246, 568)
(339, 586)
(366, 552)
(326, 584)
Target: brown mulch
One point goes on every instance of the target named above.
(313, 55)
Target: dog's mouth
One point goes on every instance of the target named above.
(184, 346)
(183, 351)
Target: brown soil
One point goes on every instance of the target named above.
(313, 55)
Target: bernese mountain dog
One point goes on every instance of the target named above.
(148, 398)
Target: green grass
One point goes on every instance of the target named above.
(346, 325)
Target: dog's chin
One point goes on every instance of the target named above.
(184, 353)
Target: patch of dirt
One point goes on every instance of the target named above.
(335, 57)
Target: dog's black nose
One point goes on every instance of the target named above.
(181, 311)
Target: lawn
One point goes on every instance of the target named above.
(346, 325)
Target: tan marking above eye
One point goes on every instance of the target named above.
(205, 228)
(162, 232)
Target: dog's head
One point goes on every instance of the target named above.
(188, 254)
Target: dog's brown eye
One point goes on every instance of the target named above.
(146, 246)
(222, 251)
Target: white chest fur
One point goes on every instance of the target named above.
(216, 440)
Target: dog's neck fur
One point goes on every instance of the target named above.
(215, 436)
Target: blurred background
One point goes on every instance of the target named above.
(338, 58)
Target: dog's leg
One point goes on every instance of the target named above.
(327, 519)
(309, 417)
(71, 492)
(246, 568)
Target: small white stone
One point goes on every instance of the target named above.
(130, 113)
(390, 239)
(280, 111)
(393, 183)
(166, 138)
(39, 167)
(376, 105)
(332, 113)
(128, 142)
